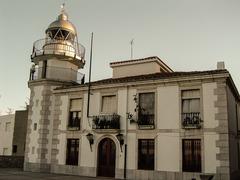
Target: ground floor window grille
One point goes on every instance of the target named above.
(146, 154)
(72, 151)
(191, 154)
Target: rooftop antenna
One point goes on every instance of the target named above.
(131, 43)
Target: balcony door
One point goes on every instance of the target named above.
(106, 158)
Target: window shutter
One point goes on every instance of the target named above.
(194, 93)
(109, 104)
(76, 105)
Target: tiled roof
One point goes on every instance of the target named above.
(154, 76)
(157, 76)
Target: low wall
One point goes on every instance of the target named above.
(11, 161)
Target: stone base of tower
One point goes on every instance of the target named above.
(37, 167)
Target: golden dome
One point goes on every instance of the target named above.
(62, 22)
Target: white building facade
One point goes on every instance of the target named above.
(146, 122)
(6, 134)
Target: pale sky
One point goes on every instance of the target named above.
(186, 34)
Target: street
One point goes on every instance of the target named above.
(18, 174)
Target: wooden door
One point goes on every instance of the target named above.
(106, 158)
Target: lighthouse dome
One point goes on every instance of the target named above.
(62, 22)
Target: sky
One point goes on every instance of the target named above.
(188, 35)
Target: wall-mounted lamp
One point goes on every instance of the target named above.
(90, 139)
(120, 139)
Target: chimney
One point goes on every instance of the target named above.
(220, 65)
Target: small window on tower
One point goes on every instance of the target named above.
(35, 126)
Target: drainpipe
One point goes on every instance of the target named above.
(126, 134)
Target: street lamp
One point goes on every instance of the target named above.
(120, 139)
(90, 139)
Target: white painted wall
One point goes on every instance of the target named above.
(209, 109)
(122, 107)
(6, 134)
(136, 69)
(168, 107)
(63, 117)
(131, 107)
(168, 152)
(132, 151)
(209, 151)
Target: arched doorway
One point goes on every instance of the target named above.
(106, 158)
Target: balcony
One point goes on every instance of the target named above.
(145, 121)
(56, 73)
(106, 122)
(74, 123)
(191, 120)
(62, 48)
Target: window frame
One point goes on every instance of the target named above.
(193, 116)
(153, 124)
(73, 161)
(101, 103)
(149, 163)
(73, 124)
(198, 166)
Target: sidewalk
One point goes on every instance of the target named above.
(18, 174)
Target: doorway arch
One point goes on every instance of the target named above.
(106, 158)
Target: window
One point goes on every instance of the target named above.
(191, 154)
(75, 113)
(146, 108)
(191, 108)
(109, 104)
(35, 126)
(14, 149)
(72, 151)
(146, 154)
(8, 126)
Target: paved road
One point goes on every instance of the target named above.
(17, 174)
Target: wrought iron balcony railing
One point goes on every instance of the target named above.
(106, 122)
(74, 123)
(146, 121)
(62, 47)
(56, 73)
(191, 120)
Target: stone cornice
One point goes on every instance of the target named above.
(164, 82)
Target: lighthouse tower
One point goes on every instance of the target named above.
(56, 60)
